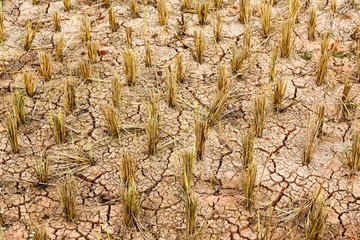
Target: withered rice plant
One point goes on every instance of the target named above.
(130, 62)
(92, 51)
(322, 67)
(277, 94)
(2, 29)
(218, 4)
(185, 4)
(128, 170)
(152, 126)
(67, 193)
(320, 116)
(180, 75)
(187, 160)
(11, 132)
(294, 9)
(191, 204)
(114, 25)
(217, 27)
(348, 106)
(69, 96)
(245, 11)
(238, 57)
(201, 134)
(312, 23)
(58, 125)
(85, 29)
(45, 65)
(129, 32)
(353, 159)
(316, 216)
(181, 26)
(202, 9)
(333, 6)
(163, 12)
(274, 57)
(41, 169)
(29, 36)
(222, 79)
(18, 107)
(324, 47)
(259, 115)
(35, 2)
(85, 70)
(115, 91)
(199, 46)
(285, 46)
(56, 21)
(67, 4)
(248, 148)
(217, 107)
(249, 183)
(358, 60)
(134, 9)
(171, 87)
(106, 3)
(131, 204)
(59, 50)
(29, 84)
(308, 151)
(111, 119)
(40, 234)
(148, 54)
(265, 14)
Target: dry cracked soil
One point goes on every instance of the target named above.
(282, 181)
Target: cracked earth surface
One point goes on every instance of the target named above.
(217, 178)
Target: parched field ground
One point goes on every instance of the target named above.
(282, 178)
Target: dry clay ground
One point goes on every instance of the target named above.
(217, 178)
